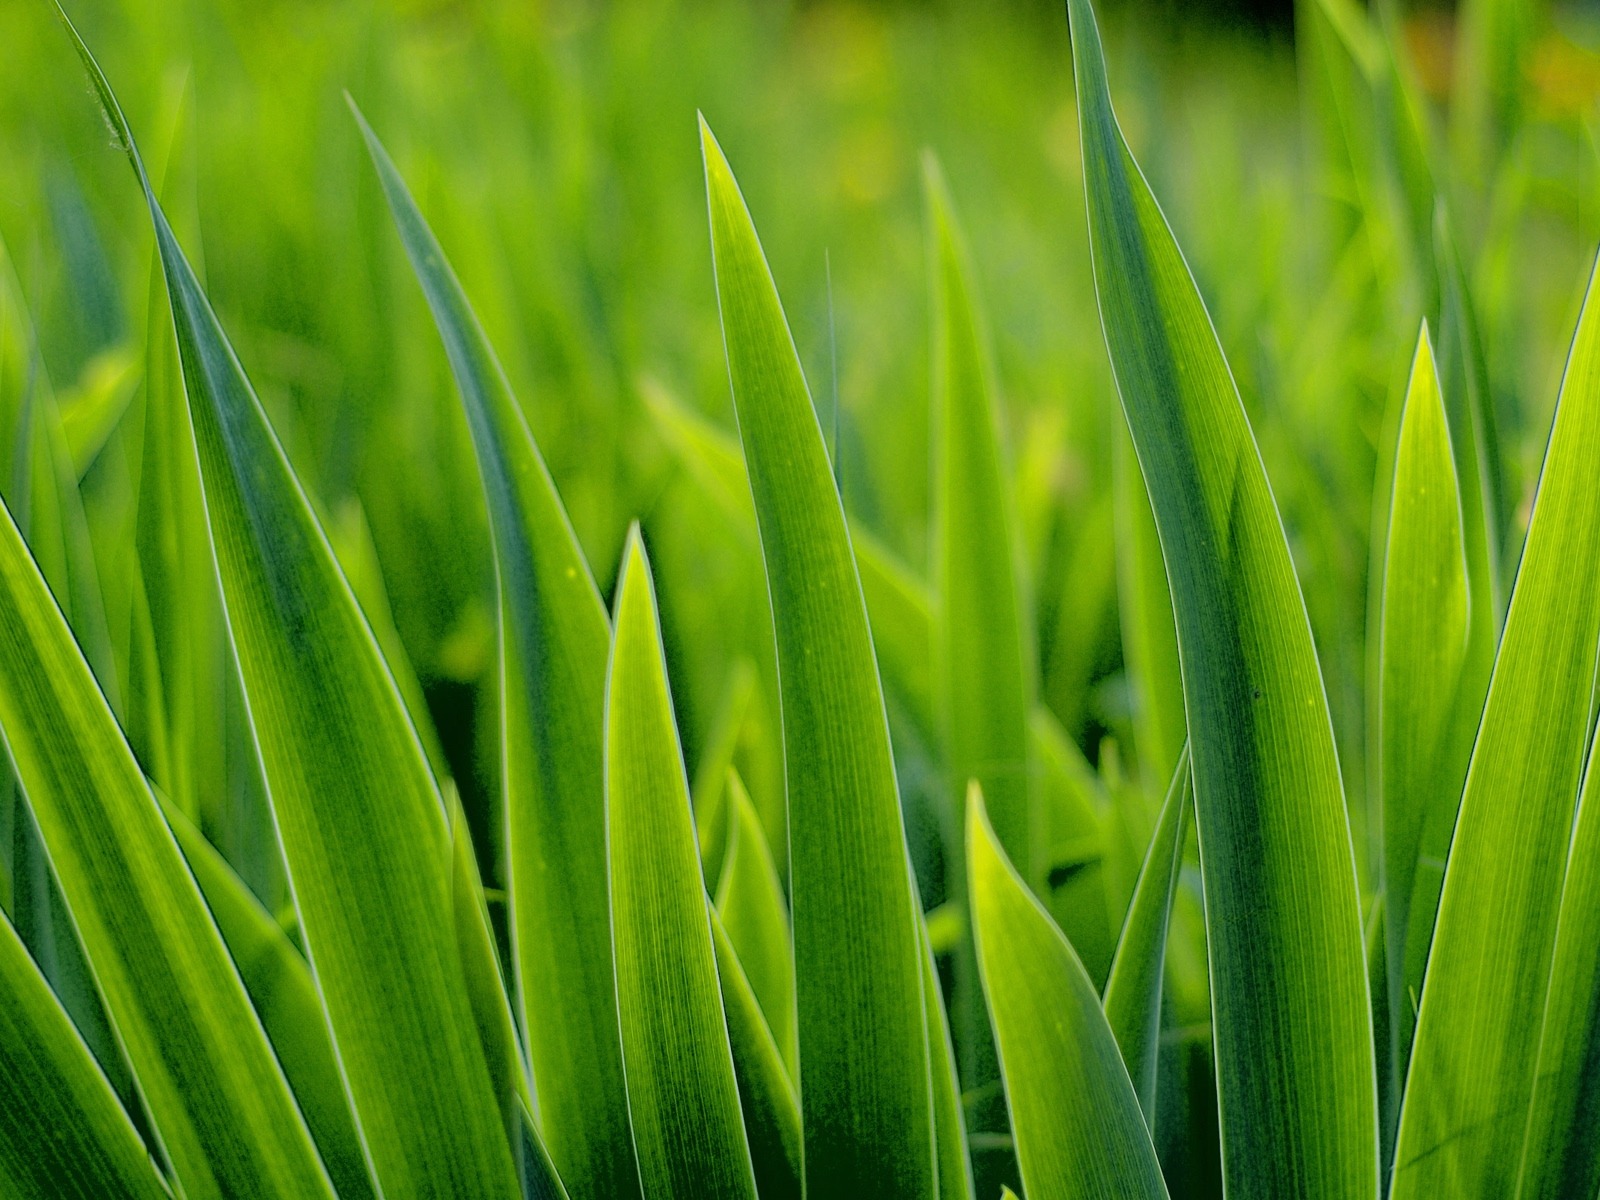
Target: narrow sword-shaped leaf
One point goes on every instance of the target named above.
(1292, 1021)
(216, 1097)
(285, 997)
(750, 903)
(1074, 1115)
(1425, 737)
(981, 673)
(766, 1089)
(1465, 1110)
(683, 1100)
(553, 644)
(358, 814)
(1561, 1152)
(63, 1134)
(865, 1091)
(1133, 989)
(949, 1117)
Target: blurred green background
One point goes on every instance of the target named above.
(553, 147)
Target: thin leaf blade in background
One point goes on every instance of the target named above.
(1074, 1115)
(683, 1099)
(554, 636)
(858, 972)
(1296, 1075)
(1465, 1112)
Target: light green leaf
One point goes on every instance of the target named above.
(865, 1089)
(1561, 1153)
(949, 1117)
(981, 682)
(683, 1100)
(1296, 1077)
(91, 408)
(216, 1097)
(751, 904)
(713, 815)
(1426, 716)
(1472, 1065)
(63, 1134)
(766, 1088)
(352, 795)
(285, 997)
(1074, 1115)
(553, 644)
(1133, 990)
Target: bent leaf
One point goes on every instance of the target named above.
(351, 791)
(683, 1101)
(1133, 989)
(1074, 1115)
(63, 1135)
(865, 1091)
(1296, 1080)
(1472, 1065)
(553, 643)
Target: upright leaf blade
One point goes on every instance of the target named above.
(1472, 1064)
(358, 814)
(1292, 1023)
(63, 1134)
(553, 644)
(1074, 1115)
(683, 1101)
(1133, 989)
(864, 1086)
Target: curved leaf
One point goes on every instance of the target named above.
(553, 644)
(766, 1088)
(750, 903)
(683, 1100)
(1074, 1115)
(1292, 1024)
(865, 1091)
(1465, 1110)
(352, 795)
(1133, 989)
(63, 1134)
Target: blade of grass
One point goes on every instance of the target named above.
(213, 1089)
(766, 1088)
(865, 1089)
(285, 997)
(1074, 1115)
(1295, 1063)
(1561, 1151)
(352, 796)
(1465, 1109)
(1133, 989)
(63, 1134)
(750, 902)
(683, 1100)
(949, 1118)
(553, 643)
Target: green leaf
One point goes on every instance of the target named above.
(949, 1118)
(1133, 990)
(351, 792)
(1561, 1153)
(1294, 1051)
(766, 1088)
(1426, 713)
(683, 1100)
(751, 905)
(1074, 1115)
(63, 1135)
(979, 650)
(1472, 1064)
(902, 627)
(216, 1097)
(865, 1093)
(553, 643)
(285, 997)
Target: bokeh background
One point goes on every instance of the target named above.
(553, 146)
